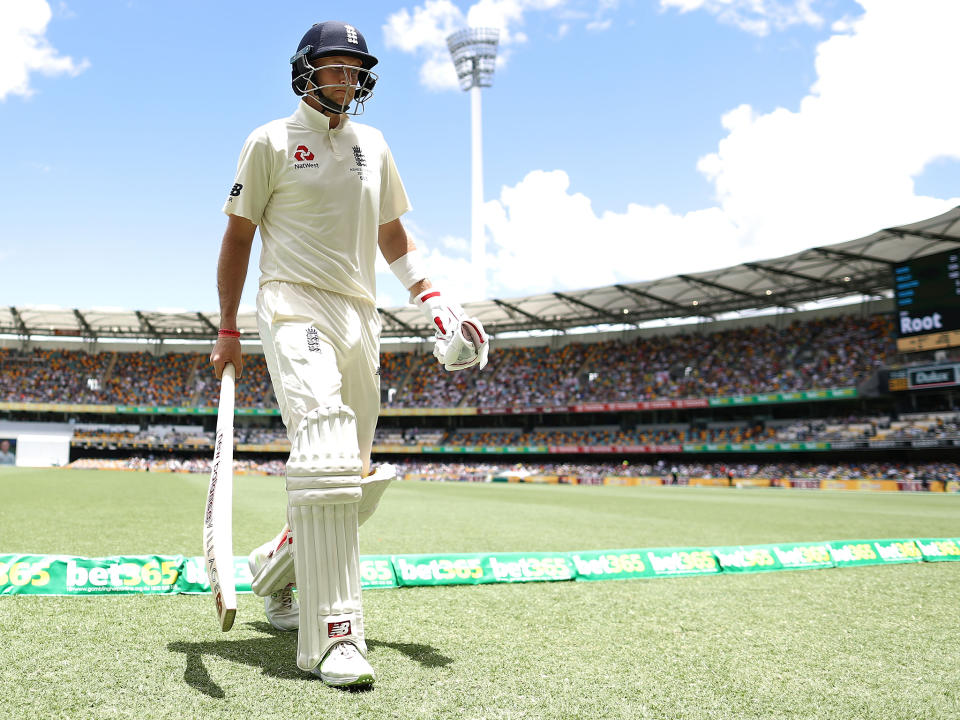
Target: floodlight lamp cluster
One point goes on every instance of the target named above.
(474, 53)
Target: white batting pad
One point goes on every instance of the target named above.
(272, 565)
(327, 563)
(323, 492)
(373, 487)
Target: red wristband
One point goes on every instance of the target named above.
(228, 333)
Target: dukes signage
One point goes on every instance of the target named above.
(932, 376)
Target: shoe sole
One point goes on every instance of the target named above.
(365, 679)
(282, 628)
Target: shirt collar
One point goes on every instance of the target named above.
(316, 120)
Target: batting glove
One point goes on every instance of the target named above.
(460, 339)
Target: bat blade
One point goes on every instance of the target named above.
(218, 517)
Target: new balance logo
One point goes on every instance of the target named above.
(352, 34)
(338, 629)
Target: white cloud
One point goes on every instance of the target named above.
(543, 237)
(843, 164)
(424, 30)
(599, 25)
(839, 167)
(754, 16)
(24, 48)
(447, 270)
(451, 242)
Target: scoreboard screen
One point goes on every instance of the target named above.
(927, 297)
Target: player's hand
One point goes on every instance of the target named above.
(461, 341)
(226, 350)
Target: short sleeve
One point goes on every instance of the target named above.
(393, 197)
(252, 185)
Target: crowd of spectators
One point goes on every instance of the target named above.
(913, 475)
(394, 368)
(826, 353)
(681, 473)
(51, 376)
(139, 378)
(152, 436)
(936, 427)
(253, 390)
(814, 354)
(178, 465)
(835, 352)
(125, 378)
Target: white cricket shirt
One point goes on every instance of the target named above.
(319, 197)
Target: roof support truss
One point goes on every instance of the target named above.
(401, 323)
(651, 296)
(799, 276)
(599, 310)
(18, 319)
(901, 232)
(844, 255)
(84, 325)
(207, 324)
(147, 326)
(720, 286)
(530, 316)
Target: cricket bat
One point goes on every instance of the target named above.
(218, 518)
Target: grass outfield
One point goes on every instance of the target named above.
(880, 642)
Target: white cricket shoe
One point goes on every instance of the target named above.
(282, 609)
(345, 665)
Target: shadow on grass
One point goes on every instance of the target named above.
(423, 654)
(274, 654)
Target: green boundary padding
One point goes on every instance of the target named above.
(175, 574)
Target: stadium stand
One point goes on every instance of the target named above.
(941, 426)
(842, 351)
(52, 375)
(916, 476)
(820, 353)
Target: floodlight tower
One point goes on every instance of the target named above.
(474, 53)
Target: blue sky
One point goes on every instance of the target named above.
(623, 139)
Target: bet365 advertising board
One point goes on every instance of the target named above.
(24, 574)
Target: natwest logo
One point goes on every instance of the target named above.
(303, 154)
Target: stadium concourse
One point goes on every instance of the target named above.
(781, 372)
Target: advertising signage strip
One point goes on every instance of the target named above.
(932, 376)
(176, 574)
(923, 343)
(608, 449)
(680, 404)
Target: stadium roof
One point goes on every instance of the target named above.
(856, 267)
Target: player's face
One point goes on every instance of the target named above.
(338, 76)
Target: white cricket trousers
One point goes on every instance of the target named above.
(322, 348)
